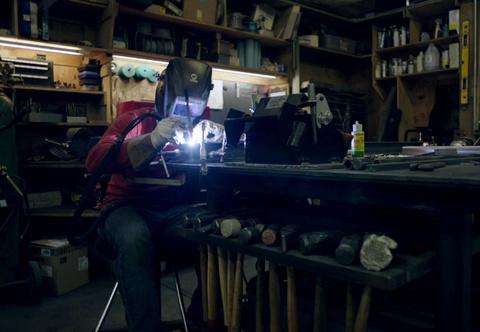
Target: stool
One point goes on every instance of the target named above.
(181, 304)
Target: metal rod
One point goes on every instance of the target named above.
(165, 168)
(181, 304)
(107, 308)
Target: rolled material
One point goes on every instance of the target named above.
(323, 242)
(126, 71)
(222, 272)
(212, 287)
(348, 249)
(363, 310)
(259, 296)
(251, 234)
(376, 253)
(288, 237)
(203, 281)
(237, 294)
(271, 235)
(142, 72)
(231, 227)
(320, 307)
(274, 297)
(292, 311)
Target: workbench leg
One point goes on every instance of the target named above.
(363, 310)
(454, 271)
(292, 311)
(222, 274)
(274, 297)
(351, 309)
(320, 307)
(212, 287)
(203, 280)
(259, 296)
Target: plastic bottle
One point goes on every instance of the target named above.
(358, 141)
(432, 58)
(420, 62)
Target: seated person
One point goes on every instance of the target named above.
(140, 217)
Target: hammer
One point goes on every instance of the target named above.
(251, 234)
(237, 294)
(271, 235)
(274, 297)
(222, 271)
(292, 312)
(320, 307)
(231, 227)
(259, 294)
(212, 287)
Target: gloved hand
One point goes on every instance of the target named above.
(164, 131)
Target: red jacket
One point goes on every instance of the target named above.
(119, 188)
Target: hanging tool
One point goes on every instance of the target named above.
(465, 44)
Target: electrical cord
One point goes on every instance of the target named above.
(78, 232)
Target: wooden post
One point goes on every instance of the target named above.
(320, 308)
(237, 294)
(292, 311)
(259, 294)
(350, 310)
(222, 271)
(363, 310)
(203, 280)
(212, 287)
(274, 298)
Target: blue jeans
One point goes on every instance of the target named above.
(140, 237)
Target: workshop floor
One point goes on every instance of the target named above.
(79, 310)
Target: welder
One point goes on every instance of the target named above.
(139, 217)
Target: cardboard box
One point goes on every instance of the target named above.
(265, 14)
(63, 267)
(309, 40)
(204, 11)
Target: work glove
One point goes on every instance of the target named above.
(165, 132)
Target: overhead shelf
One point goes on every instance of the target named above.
(430, 8)
(332, 52)
(418, 46)
(166, 58)
(33, 88)
(181, 21)
(440, 73)
(62, 212)
(53, 164)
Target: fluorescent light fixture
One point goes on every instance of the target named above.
(219, 70)
(245, 73)
(131, 58)
(39, 46)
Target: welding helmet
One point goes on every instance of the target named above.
(185, 89)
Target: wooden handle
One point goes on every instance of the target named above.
(203, 280)
(292, 312)
(274, 297)
(230, 284)
(363, 310)
(320, 307)
(350, 310)
(259, 295)
(222, 271)
(212, 287)
(237, 294)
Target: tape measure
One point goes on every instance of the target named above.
(464, 63)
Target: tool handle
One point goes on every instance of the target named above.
(212, 287)
(292, 311)
(274, 297)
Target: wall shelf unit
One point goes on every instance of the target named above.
(419, 46)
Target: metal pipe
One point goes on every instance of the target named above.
(107, 308)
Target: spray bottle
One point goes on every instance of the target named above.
(358, 141)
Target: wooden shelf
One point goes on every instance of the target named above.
(332, 52)
(430, 8)
(53, 165)
(450, 72)
(65, 124)
(62, 212)
(396, 13)
(181, 21)
(161, 57)
(418, 46)
(32, 88)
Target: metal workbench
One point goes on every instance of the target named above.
(450, 193)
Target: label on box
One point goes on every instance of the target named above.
(3, 203)
(276, 102)
(46, 271)
(83, 263)
(199, 15)
(45, 252)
